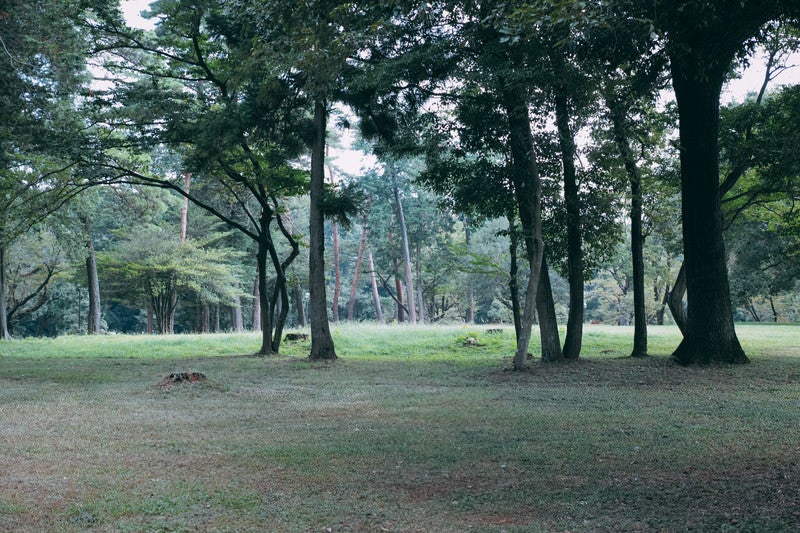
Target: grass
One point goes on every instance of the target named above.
(411, 430)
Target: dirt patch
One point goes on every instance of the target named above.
(177, 378)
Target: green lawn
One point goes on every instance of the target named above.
(411, 430)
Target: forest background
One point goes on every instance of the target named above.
(142, 184)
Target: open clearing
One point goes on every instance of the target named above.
(411, 430)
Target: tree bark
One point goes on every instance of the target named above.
(401, 220)
(528, 192)
(351, 303)
(237, 321)
(470, 318)
(297, 291)
(513, 278)
(322, 346)
(257, 298)
(419, 295)
(675, 300)
(93, 321)
(4, 331)
(337, 274)
(619, 120)
(376, 298)
(548, 324)
(574, 337)
(710, 335)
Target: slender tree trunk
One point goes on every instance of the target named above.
(93, 322)
(376, 298)
(420, 301)
(513, 278)
(337, 274)
(710, 334)
(528, 191)
(265, 313)
(470, 318)
(351, 303)
(4, 330)
(150, 322)
(574, 337)
(297, 291)
(398, 287)
(548, 323)
(619, 120)
(237, 320)
(257, 298)
(401, 220)
(774, 311)
(321, 340)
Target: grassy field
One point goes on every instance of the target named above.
(411, 430)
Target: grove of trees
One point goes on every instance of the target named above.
(536, 163)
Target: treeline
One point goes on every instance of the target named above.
(543, 163)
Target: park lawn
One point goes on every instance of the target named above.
(412, 429)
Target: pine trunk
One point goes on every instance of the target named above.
(237, 320)
(337, 274)
(321, 340)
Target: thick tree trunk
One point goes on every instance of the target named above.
(93, 320)
(376, 298)
(548, 323)
(264, 313)
(337, 274)
(574, 337)
(321, 340)
(401, 220)
(675, 300)
(710, 334)
(619, 121)
(351, 303)
(4, 331)
(528, 191)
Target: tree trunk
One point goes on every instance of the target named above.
(297, 291)
(528, 191)
(321, 340)
(548, 324)
(4, 331)
(401, 220)
(351, 303)
(574, 337)
(93, 322)
(187, 178)
(257, 298)
(470, 318)
(675, 300)
(513, 278)
(337, 274)
(265, 315)
(710, 335)
(398, 287)
(619, 121)
(376, 298)
(237, 321)
(419, 295)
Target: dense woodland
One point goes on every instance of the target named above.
(540, 164)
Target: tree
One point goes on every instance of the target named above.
(702, 40)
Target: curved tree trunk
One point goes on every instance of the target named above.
(574, 337)
(675, 300)
(528, 191)
(321, 340)
(709, 334)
